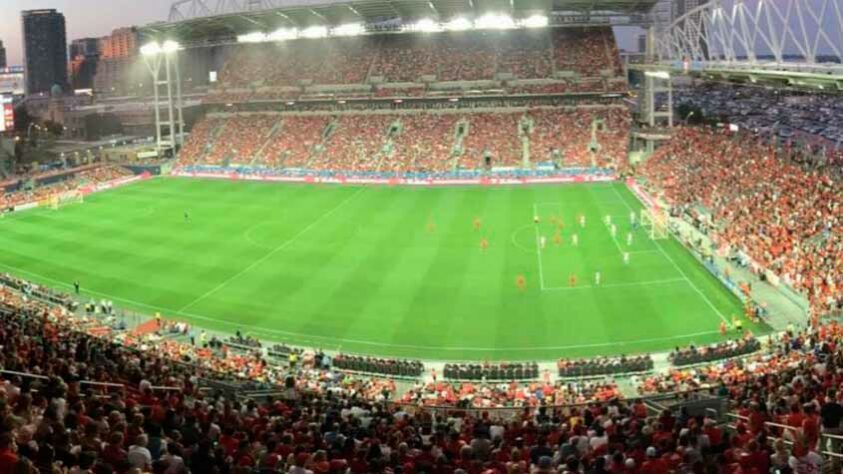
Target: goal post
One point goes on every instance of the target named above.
(655, 221)
(69, 197)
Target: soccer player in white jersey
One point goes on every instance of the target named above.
(632, 217)
(597, 278)
(575, 240)
(542, 242)
(582, 220)
(626, 258)
(614, 230)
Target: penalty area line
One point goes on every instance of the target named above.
(617, 285)
(681, 272)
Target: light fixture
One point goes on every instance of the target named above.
(458, 24)
(256, 37)
(535, 21)
(170, 46)
(426, 25)
(494, 21)
(348, 29)
(150, 49)
(314, 32)
(283, 34)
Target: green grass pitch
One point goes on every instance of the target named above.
(391, 271)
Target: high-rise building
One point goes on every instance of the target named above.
(84, 55)
(122, 43)
(45, 50)
(119, 60)
(2, 55)
(85, 47)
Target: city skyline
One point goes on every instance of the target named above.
(85, 18)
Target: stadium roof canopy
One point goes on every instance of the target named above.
(209, 21)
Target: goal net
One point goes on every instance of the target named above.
(63, 199)
(655, 221)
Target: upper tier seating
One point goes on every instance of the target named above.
(463, 56)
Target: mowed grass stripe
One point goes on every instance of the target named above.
(371, 278)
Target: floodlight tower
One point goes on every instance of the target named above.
(656, 83)
(158, 55)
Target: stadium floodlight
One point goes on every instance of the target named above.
(256, 37)
(314, 32)
(494, 21)
(535, 21)
(150, 49)
(657, 74)
(283, 34)
(170, 46)
(459, 24)
(426, 25)
(349, 29)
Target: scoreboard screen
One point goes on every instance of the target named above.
(7, 121)
(11, 80)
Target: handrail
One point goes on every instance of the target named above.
(24, 374)
(789, 429)
(103, 384)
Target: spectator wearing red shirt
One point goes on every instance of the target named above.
(8, 454)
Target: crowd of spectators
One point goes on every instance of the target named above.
(57, 412)
(72, 180)
(416, 58)
(600, 366)
(509, 394)
(721, 350)
(777, 212)
(294, 144)
(240, 139)
(59, 421)
(414, 142)
(201, 138)
(493, 135)
(355, 144)
(581, 137)
(812, 118)
(373, 365)
(780, 356)
(587, 52)
(489, 371)
(425, 144)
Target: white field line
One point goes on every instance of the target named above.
(324, 339)
(681, 272)
(538, 248)
(665, 281)
(274, 251)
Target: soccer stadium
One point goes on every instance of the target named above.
(392, 236)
